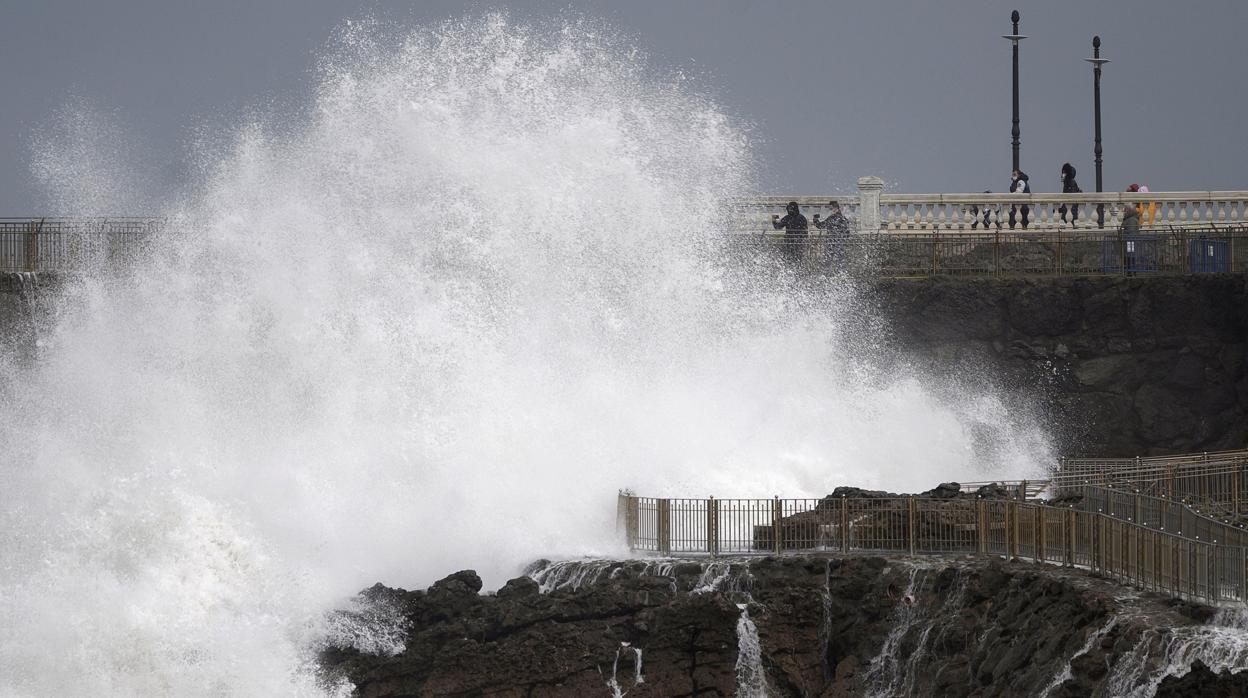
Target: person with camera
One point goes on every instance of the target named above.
(836, 228)
(794, 226)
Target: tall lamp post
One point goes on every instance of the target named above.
(1097, 62)
(1014, 39)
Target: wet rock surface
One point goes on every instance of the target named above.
(1122, 365)
(1203, 681)
(826, 626)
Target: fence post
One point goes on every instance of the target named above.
(1243, 575)
(777, 513)
(911, 509)
(1011, 519)
(624, 518)
(996, 253)
(712, 526)
(982, 529)
(1193, 579)
(1068, 533)
(869, 189)
(1235, 484)
(1178, 569)
(1157, 566)
(1059, 251)
(844, 523)
(1042, 516)
(32, 246)
(1214, 587)
(1096, 542)
(664, 510)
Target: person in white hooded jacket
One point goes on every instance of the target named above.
(1019, 185)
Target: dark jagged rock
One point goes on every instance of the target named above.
(945, 490)
(827, 626)
(1202, 681)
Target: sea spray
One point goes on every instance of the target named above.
(751, 676)
(1067, 672)
(1163, 652)
(431, 322)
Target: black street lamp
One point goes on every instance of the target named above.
(1097, 62)
(1014, 39)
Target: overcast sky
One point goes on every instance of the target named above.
(915, 92)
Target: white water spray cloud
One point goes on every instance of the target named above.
(433, 326)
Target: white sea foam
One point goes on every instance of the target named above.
(432, 323)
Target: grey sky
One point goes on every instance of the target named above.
(916, 92)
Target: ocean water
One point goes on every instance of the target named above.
(432, 321)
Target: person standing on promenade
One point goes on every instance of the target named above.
(1019, 185)
(1147, 209)
(794, 225)
(1130, 220)
(836, 226)
(1069, 186)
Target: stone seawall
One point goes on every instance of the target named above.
(1122, 365)
(23, 305)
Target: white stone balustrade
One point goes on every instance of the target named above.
(875, 212)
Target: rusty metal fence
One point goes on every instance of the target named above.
(1153, 548)
(1215, 480)
(64, 244)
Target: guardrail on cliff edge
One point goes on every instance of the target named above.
(1124, 550)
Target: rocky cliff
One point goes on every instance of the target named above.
(1122, 365)
(792, 626)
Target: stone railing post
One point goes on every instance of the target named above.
(869, 189)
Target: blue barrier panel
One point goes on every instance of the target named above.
(1207, 256)
(1137, 252)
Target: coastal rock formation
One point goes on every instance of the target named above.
(1133, 365)
(790, 626)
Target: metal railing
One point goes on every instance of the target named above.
(72, 244)
(1190, 235)
(1131, 552)
(1215, 480)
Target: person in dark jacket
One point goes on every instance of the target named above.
(1130, 220)
(1069, 186)
(794, 225)
(1019, 185)
(836, 225)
